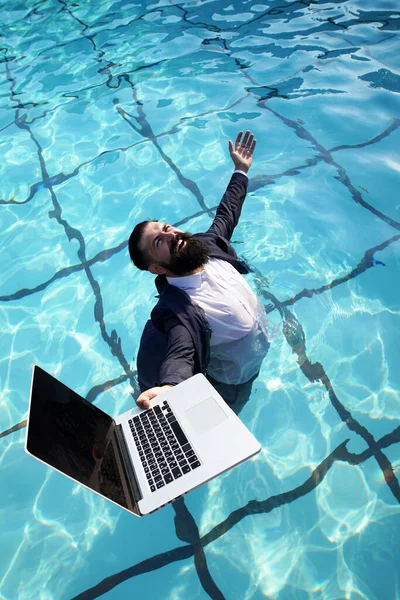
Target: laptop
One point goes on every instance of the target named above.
(143, 459)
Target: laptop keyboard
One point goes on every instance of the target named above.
(164, 449)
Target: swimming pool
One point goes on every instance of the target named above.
(112, 112)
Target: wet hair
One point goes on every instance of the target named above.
(140, 259)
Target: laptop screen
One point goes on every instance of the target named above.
(73, 436)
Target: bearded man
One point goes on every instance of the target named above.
(207, 319)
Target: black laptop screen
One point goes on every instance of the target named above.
(72, 435)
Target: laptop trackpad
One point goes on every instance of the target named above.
(205, 415)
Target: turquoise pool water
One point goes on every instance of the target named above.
(112, 112)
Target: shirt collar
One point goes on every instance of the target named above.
(187, 281)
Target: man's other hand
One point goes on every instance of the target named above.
(242, 153)
(144, 400)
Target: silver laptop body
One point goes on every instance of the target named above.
(142, 460)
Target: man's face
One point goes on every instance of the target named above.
(176, 252)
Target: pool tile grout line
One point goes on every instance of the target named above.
(187, 531)
(295, 337)
(113, 341)
(367, 262)
(253, 507)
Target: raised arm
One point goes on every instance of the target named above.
(230, 207)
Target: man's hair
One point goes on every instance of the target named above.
(140, 258)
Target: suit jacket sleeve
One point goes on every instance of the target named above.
(230, 207)
(180, 358)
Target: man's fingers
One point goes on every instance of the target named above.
(245, 147)
(143, 403)
(238, 137)
(144, 400)
(249, 142)
(245, 139)
(250, 147)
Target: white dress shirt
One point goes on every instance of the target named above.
(237, 319)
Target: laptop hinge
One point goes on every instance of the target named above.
(133, 484)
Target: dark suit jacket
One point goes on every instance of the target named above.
(175, 343)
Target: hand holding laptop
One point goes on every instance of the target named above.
(144, 399)
(142, 459)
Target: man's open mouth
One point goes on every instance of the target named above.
(177, 245)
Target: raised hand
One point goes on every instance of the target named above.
(242, 153)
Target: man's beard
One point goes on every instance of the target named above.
(193, 255)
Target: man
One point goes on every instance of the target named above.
(207, 319)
